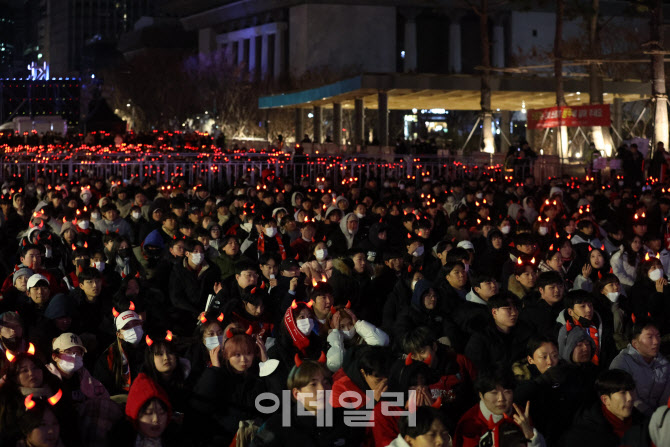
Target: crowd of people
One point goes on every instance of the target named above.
(375, 313)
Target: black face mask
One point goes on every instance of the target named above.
(124, 252)
(152, 253)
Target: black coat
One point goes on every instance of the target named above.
(303, 431)
(189, 292)
(555, 397)
(592, 429)
(470, 317)
(397, 301)
(646, 300)
(490, 346)
(220, 400)
(541, 316)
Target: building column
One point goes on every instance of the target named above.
(410, 60)
(359, 121)
(505, 118)
(617, 119)
(455, 45)
(318, 123)
(498, 53)
(265, 56)
(383, 118)
(240, 52)
(252, 55)
(279, 52)
(337, 123)
(228, 51)
(206, 40)
(299, 125)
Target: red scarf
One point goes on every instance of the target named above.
(593, 334)
(299, 340)
(261, 245)
(620, 427)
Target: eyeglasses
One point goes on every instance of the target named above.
(509, 309)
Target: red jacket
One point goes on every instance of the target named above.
(342, 385)
(470, 428)
(385, 428)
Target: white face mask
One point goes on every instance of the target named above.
(197, 258)
(70, 363)
(321, 254)
(48, 252)
(95, 216)
(655, 275)
(246, 226)
(401, 186)
(136, 215)
(360, 215)
(506, 229)
(213, 342)
(350, 231)
(613, 296)
(132, 336)
(83, 224)
(305, 325)
(100, 265)
(348, 335)
(418, 252)
(271, 231)
(542, 231)
(479, 195)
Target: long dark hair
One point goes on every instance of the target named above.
(632, 256)
(158, 347)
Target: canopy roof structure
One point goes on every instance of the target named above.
(451, 92)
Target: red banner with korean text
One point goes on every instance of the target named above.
(569, 116)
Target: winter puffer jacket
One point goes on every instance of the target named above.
(366, 333)
(652, 380)
(622, 268)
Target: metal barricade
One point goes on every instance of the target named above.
(219, 169)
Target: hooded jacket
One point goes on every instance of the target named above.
(417, 315)
(471, 314)
(573, 338)
(349, 237)
(652, 380)
(373, 245)
(529, 213)
(606, 347)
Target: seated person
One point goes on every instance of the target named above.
(495, 412)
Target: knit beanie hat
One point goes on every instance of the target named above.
(142, 391)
